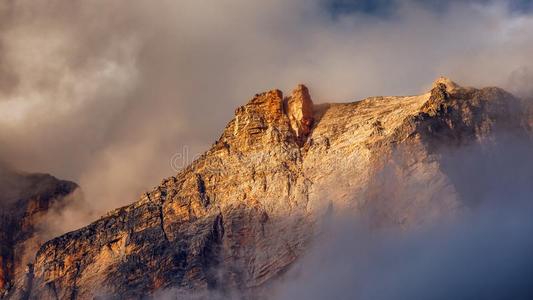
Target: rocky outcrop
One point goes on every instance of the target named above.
(299, 108)
(24, 200)
(241, 214)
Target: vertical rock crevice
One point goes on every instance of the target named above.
(204, 198)
(162, 223)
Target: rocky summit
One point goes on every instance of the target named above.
(239, 216)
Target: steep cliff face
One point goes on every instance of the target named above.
(243, 212)
(24, 200)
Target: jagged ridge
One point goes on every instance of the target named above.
(243, 212)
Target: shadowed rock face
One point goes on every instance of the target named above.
(242, 213)
(24, 200)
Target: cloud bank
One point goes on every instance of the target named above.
(483, 252)
(484, 256)
(106, 93)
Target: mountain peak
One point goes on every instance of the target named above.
(245, 211)
(446, 82)
(269, 116)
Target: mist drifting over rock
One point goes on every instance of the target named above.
(317, 189)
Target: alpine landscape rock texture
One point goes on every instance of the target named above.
(240, 216)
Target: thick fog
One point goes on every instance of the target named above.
(486, 255)
(483, 251)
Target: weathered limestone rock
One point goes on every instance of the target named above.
(240, 215)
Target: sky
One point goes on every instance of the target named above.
(387, 7)
(109, 94)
